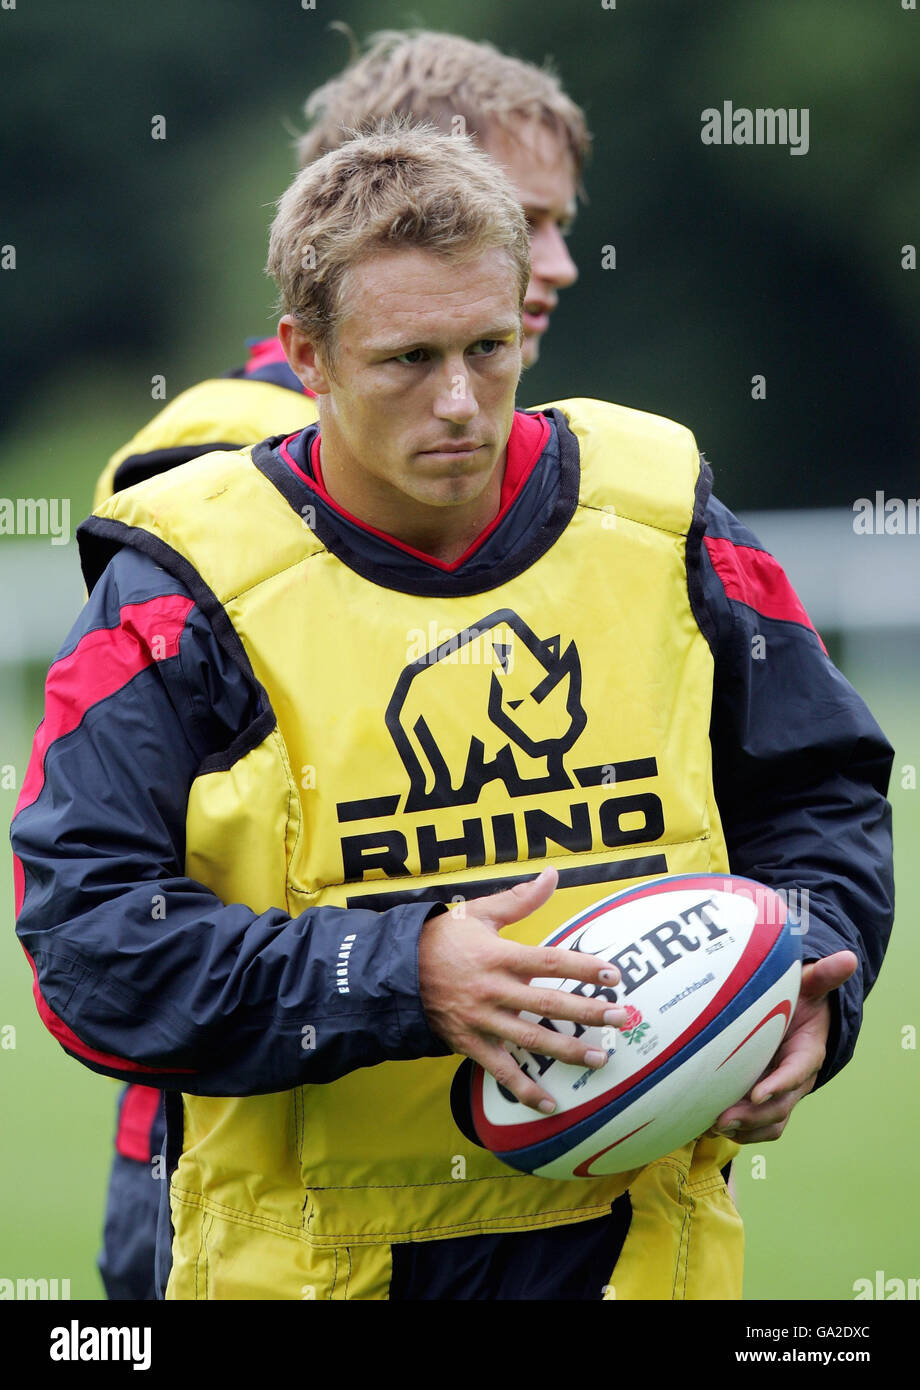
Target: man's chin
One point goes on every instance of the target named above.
(458, 490)
(454, 492)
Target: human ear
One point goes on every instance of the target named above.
(303, 356)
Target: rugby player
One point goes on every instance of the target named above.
(522, 117)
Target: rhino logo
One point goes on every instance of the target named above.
(520, 698)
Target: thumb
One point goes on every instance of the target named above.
(821, 977)
(511, 904)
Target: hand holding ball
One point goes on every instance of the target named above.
(710, 968)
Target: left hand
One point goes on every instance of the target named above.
(765, 1110)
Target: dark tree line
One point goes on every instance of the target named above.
(731, 263)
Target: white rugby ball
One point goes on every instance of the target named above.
(710, 968)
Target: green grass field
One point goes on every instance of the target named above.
(835, 1204)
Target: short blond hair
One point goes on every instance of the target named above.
(438, 78)
(400, 185)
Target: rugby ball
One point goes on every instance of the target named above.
(710, 969)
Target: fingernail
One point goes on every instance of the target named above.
(595, 1059)
(763, 1099)
(615, 1016)
(609, 977)
(729, 1128)
(547, 1106)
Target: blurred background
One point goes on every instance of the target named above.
(138, 257)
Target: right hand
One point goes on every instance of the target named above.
(474, 985)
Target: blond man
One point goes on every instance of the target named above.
(289, 753)
(522, 116)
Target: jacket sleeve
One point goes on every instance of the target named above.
(141, 972)
(800, 767)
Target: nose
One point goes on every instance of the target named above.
(455, 401)
(549, 257)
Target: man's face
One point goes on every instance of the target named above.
(540, 167)
(427, 361)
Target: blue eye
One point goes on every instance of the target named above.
(404, 357)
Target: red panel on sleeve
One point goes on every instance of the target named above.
(755, 578)
(102, 662)
(68, 1038)
(135, 1121)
